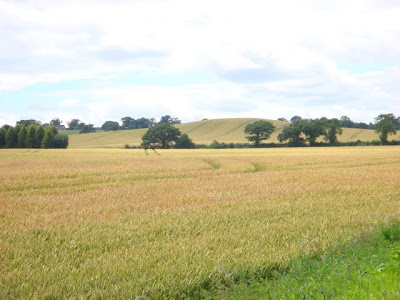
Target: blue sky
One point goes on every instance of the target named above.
(102, 60)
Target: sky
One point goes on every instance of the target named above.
(104, 60)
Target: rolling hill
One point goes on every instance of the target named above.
(203, 132)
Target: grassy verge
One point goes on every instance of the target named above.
(368, 269)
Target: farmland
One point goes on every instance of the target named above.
(115, 223)
(203, 132)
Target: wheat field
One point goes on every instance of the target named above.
(204, 132)
(116, 223)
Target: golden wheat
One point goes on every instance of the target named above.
(168, 223)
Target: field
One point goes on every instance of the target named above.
(116, 223)
(203, 132)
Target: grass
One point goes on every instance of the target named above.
(115, 223)
(76, 132)
(202, 132)
(366, 269)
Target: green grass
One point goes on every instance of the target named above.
(366, 269)
(203, 132)
(75, 132)
(69, 132)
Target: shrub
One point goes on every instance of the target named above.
(185, 142)
(61, 141)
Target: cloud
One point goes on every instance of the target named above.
(266, 57)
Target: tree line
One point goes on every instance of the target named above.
(346, 122)
(132, 123)
(298, 133)
(32, 136)
(127, 124)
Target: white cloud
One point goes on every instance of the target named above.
(274, 55)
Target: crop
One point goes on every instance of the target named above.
(115, 223)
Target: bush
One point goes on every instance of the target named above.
(185, 142)
(61, 141)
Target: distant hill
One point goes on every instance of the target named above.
(203, 132)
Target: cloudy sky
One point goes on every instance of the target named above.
(103, 60)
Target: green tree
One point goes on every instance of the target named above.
(22, 137)
(144, 123)
(17, 128)
(313, 129)
(11, 138)
(31, 136)
(48, 139)
(292, 133)
(385, 125)
(296, 118)
(61, 140)
(258, 131)
(3, 133)
(128, 123)
(74, 124)
(184, 142)
(332, 129)
(110, 126)
(55, 122)
(167, 119)
(28, 122)
(39, 134)
(160, 136)
(87, 128)
(346, 122)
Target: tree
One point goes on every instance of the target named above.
(55, 131)
(48, 139)
(283, 119)
(39, 134)
(11, 138)
(385, 125)
(167, 119)
(55, 122)
(28, 122)
(74, 124)
(30, 136)
(3, 133)
(397, 123)
(346, 122)
(160, 136)
(184, 142)
(259, 131)
(17, 128)
(292, 133)
(61, 140)
(87, 128)
(128, 123)
(110, 126)
(22, 137)
(296, 118)
(144, 123)
(332, 129)
(312, 129)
